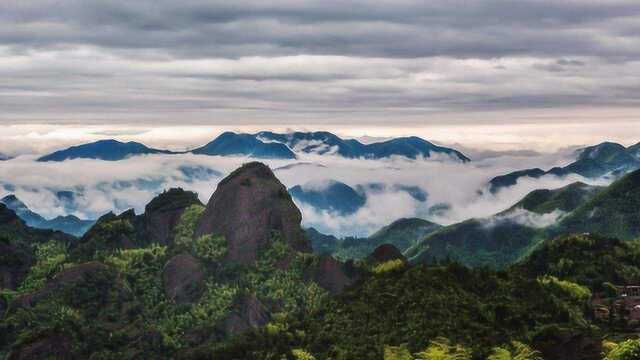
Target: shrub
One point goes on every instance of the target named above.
(387, 266)
(626, 350)
(186, 227)
(50, 257)
(209, 247)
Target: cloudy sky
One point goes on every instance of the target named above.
(507, 72)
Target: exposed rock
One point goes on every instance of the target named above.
(183, 276)
(247, 208)
(332, 275)
(55, 346)
(386, 252)
(163, 213)
(14, 265)
(249, 313)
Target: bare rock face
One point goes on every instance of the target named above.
(332, 275)
(163, 213)
(54, 346)
(384, 253)
(183, 277)
(249, 313)
(247, 208)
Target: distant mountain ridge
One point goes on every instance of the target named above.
(606, 158)
(109, 150)
(322, 142)
(68, 224)
(268, 145)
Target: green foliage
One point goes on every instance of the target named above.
(626, 350)
(50, 257)
(186, 227)
(397, 353)
(174, 323)
(441, 349)
(516, 351)
(211, 248)
(300, 354)
(105, 236)
(387, 266)
(585, 259)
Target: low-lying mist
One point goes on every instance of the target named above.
(455, 191)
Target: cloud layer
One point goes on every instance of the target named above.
(288, 61)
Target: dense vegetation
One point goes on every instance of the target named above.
(116, 293)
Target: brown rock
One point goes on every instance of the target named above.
(246, 208)
(183, 277)
(384, 253)
(332, 275)
(51, 347)
(163, 213)
(249, 313)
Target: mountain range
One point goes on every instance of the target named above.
(236, 278)
(605, 159)
(68, 224)
(339, 198)
(269, 145)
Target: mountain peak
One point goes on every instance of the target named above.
(247, 208)
(108, 149)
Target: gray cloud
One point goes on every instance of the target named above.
(250, 60)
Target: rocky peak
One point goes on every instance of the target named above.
(163, 213)
(247, 208)
(384, 253)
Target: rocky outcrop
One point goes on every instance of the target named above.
(248, 314)
(14, 265)
(384, 253)
(183, 277)
(247, 208)
(332, 275)
(54, 346)
(163, 213)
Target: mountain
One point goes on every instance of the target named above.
(110, 150)
(340, 198)
(69, 224)
(612, 212)
(512, 234)
(333, 196)
(235, 279)
(605, 159)
(402, 234)
(566, 199)
(4, 157)
(587, 259)
(230, 143)
(327, 143)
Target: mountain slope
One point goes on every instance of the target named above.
(615, 211)
(230, 143)
(328, 143)
(566, 199)
(606, 158)
(334, 197)
(109, 150)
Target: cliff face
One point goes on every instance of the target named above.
(247, 208)
(163, 214)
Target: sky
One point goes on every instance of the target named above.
(494, 74)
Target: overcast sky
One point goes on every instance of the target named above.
(391, 63)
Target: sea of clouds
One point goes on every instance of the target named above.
(456, 190)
